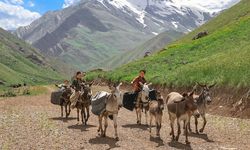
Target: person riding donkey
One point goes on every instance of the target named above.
(64, 85)
(137, 87)
(77, 83)
(137, 80)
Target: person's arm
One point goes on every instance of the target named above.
(133, 81)
(73, 85)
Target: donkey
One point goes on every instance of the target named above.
(142, 102)
(113, 103)
(155, 111)
(202, 101)
(64, 101)
(84, 102)
(180, 107)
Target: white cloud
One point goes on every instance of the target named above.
(208, 5)
(13, 16)
(31, 4)
(68, 3)
(15, 2)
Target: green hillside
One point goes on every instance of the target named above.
(223, 56)
(20, 63)
(153, 45)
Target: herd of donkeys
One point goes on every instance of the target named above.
(181, 107)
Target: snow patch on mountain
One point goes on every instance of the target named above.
(175, 24)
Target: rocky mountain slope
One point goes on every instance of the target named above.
(85, 34)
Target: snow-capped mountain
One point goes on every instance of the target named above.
(92, 29)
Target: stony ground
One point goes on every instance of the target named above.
(32, 122)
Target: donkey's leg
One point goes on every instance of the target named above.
(87, 111)
(137, 116)
(69, 108)
(115, 126)
(159, 118)
(100, 124)
(66, 111)
(82, 115)
(172, 126)
(179, 129)
(186, 131)
(196, 124)
(105, 125)
(77, 111)
(188, 124)
(138, 113)
(146, 116)
(61, 110)
(150, 121)
(204, 123)
(157, 124)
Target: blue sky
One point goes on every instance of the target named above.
(16, 13)
(42, 6)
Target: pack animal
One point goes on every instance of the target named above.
(155, 111)
(65, 102)
(84, 102)
(180, 107)
(142, 102)
(202, 100)
(113, 103)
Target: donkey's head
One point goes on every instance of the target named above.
(191, 105)
(205, 94)
(145, 90)
(115, 91)
(87, 92)
(160, 100)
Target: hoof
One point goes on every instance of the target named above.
(173, 138)
(187, 142)
(201, 130)
(117, 138)
(103, 135)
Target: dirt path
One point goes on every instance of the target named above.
(32, 122)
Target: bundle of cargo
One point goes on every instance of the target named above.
(152, 94)
(98, 102)
(129, 99)
(56, 97)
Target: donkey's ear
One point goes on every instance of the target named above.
(91, 83)
(118, 87)
(149, 84)
(210, 86)
(184, 94)
(191, 94)
(141, 84)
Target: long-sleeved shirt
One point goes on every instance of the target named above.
(136, 83)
